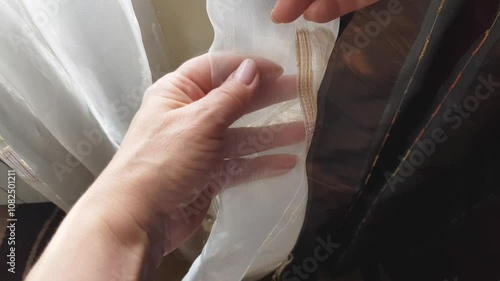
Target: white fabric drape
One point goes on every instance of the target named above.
(72, 75)
(257, 224)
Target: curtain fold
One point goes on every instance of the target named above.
(403, 166)
(72, 76)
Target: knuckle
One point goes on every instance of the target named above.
(159, 86)
(235, 93)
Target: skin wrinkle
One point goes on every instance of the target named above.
(177, 86)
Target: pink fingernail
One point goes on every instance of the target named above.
(272, 17)
(247, 72)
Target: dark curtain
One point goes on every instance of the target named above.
(404, 162)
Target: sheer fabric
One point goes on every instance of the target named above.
(257, 224)
(72, 75)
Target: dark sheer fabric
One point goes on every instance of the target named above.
(404, 162)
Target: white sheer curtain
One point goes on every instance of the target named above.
(72, 75)
(257, 224)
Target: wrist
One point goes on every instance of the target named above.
(99, 232)
(126, 222)
(125, 215)
(135, 195)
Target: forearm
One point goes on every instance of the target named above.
(99, 240)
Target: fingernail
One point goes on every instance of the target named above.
(247, 72)
(272, 17)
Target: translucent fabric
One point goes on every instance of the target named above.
(397, 201)
(257, 224)
(72, 75)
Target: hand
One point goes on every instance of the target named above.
(179, 153)
(320, 11)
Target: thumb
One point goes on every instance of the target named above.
(229, 102)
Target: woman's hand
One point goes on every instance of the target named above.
(179, 153)
(320, 11)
